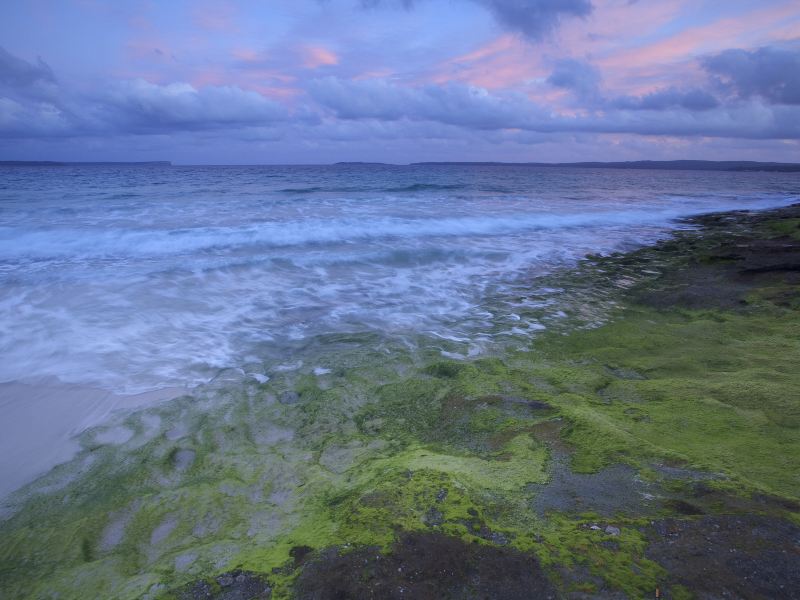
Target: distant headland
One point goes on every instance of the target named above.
(663, 165)
(668, 165)
(55, 163)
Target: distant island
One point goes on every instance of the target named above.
(666, 165)
(55, 163)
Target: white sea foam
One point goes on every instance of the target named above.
(93, 243)
(132, 286)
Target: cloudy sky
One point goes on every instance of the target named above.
(311, 81)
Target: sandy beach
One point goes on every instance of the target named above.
(41, 420)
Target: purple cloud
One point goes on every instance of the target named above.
(17, 72)
(128, 106)
(771, 73)
(532, 18)
(535, 18)
(451, 104)
(140, 107)
(578, 76)
(144, 106)
(669, 98)
(670, 112)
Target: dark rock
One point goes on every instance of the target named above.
(199, 590)
(235, 585)
(426, 566)
(299, 554)
(608, 492)
(724, 274)
(683, 507)
(498, 538)
(729, 556)
(433, 518)
(610, 545)
(480, 529)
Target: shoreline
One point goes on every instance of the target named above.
(593, 464)
(43, 419)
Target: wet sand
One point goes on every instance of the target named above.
(41, 419)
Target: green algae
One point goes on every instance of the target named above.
(719, 393)
(522, 463)
(790, 227)
(605, 562)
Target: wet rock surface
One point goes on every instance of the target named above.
(608, 492)
(235, 585)
(747, 556)
(723, 274)
(425, 566)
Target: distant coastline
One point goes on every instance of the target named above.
(56, 163)
(661, 165)
(668, 165)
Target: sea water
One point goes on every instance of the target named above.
(133, 278)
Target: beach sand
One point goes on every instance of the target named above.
(41, 419)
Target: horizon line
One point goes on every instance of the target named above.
(674, 164)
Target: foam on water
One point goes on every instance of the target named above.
(138, 278)
(82, 244)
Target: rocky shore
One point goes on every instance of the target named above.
(653, 454)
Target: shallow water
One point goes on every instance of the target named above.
(135, 278)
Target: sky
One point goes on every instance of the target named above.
(320, 81)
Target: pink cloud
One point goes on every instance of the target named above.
(317, 56)
(504, 62)
(610, 24)
(269, 82)
(744, 30)
(647, 58)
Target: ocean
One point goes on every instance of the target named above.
(135, 278)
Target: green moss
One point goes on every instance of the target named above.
(720, 394)
(789, 227)
(571, 545)
(679, 592)
(445, 369)
(524, 463)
